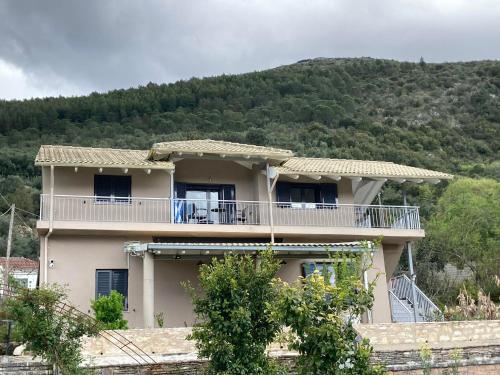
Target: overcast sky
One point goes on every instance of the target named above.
(66, 47)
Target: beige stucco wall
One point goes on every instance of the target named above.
(217, 172)
(381, 311)
(68, 182)
(76, 259)
(250, 184)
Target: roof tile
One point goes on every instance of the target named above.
(97, 157)
(209, 146)
(358, 168)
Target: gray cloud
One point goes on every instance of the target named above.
(74, 47)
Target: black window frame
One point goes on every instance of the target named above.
(112, 189)
(114, 274)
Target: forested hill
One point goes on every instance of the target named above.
(441, 116)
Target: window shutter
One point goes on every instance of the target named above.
(102, 186)
(120, 284)
(180, 190)
(122, 186)
(328, 193)
(283, 191)
(227, 193)
(103, 283)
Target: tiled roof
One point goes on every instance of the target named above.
(97, 157)
(208, 146)
(119, 158)
(356, 168)
(19, 263)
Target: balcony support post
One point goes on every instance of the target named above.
(51, 226)
(148, 289)
(269, 198)
(172, 203)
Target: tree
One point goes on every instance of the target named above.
(50, 331)
(465, 229)
(109, 311)
(235, 324)
(320, 316)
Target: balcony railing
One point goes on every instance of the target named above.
(196, 211)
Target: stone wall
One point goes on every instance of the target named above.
(397, 346)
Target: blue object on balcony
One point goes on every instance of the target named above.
(179, 209)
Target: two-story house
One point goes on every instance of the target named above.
(142, 221)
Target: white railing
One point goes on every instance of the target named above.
(106, 209)
(197, 211)
(401, 287)
(346, 215)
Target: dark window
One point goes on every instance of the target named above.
(319, 194)
(108, 280)
(109, 188)
(309, 268)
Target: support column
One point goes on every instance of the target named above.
(148, 290)
(381, 311)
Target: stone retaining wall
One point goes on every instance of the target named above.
(395, 345)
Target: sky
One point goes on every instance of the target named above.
(74, 47)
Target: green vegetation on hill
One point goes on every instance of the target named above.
(439, 116)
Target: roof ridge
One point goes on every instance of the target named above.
(94, 148)
(218, 141)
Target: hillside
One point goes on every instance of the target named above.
(439, 116)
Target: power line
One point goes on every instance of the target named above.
(27, 212)
(6, 212)
(17, 208)
(5, 199)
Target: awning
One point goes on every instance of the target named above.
(208, 248)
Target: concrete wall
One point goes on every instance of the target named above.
(250, 183)
(76, 259)
(69, 182)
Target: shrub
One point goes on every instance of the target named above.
(235, 324)
(320, 316)
(50, 331)
(109, 311)
(470, 309)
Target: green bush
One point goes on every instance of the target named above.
(235, 324)
(50, 331)
(320, 317)
(109, 311)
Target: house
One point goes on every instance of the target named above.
(141, 221)
(23, 270)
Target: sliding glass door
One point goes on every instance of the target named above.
(204, 204)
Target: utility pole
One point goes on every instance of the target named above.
(9, 245)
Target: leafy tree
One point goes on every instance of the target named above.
(465, 230)
(235, 324)
(109, 310)
(320, 316)
(50, 331)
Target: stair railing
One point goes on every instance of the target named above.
(401, 286)
(397, 303)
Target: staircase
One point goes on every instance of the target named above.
(402, 302)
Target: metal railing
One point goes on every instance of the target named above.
(401, 287)
(399, 310)
(106, 209)
(230, 212)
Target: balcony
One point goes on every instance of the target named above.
(204, 213)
